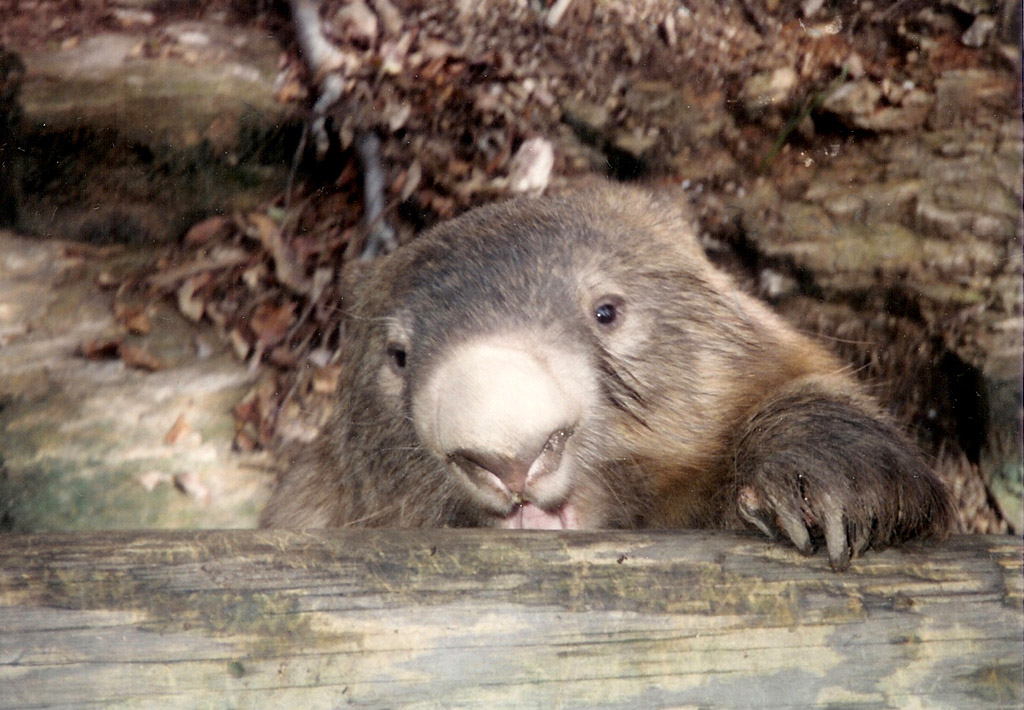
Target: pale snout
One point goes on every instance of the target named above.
(503, 419)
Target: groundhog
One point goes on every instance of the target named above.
(577, 362)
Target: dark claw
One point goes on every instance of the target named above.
(795, 529)
(835, 538)
(774, 520)
(753, 510)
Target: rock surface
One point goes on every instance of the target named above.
(95, 442)
(929, 221)
(178, 117)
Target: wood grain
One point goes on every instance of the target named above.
(485, 619)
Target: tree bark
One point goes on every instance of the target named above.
(445, 618)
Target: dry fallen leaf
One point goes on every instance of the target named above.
(134, 317)
(325, 381)
(530, 168)
(247, 410)
(151, 479)
(283, 357)
(100, 348)
(206, 230)
(190, 483)
(215, 312)
(138, 324)
(357, 23)
(254, 275)
(106, 280)
(407, 181)
(140, 358)
(219, 258)
(393, 54)
(190, 306)
(290, 91)
(245, 440)
(272, 323)
(179, 430)
(239, 343)
(292, 424)
(267, 231)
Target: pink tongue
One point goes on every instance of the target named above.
(535, 518)
(529, 517)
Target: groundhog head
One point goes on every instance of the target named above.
(576, 362)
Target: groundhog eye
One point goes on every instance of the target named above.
(608, 311)
(605, 313)
(397, 356)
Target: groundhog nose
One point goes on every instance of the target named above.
(514, 471)
(500, 413)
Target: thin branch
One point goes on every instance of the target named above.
(380, 236)
(326, 61)
(322, 56)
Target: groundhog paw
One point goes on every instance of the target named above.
(805, 523)
(818, 465)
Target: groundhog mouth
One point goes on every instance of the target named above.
(527, 516)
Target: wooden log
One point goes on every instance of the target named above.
(485, 619)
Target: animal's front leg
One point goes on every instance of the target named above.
(817, 463)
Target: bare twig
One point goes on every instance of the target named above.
(380, 237)
(390, 17)
(327, 61)
(324, 59)
(224, 260)
(300, 149)
(322, 56)
(556, 12)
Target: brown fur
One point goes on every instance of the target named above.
(712, 411)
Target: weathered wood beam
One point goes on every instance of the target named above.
(445, 618)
